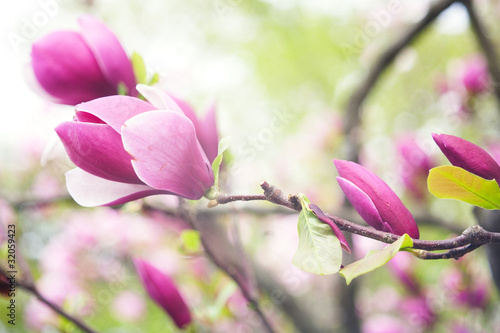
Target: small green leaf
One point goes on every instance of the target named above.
(375, 259)
(154, 79)
(319, 251)
(451, 182)
(223, 145)
(122, 89)
(139, 68)
(191, 241)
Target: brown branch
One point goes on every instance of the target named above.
(233, 273)
(474, 236)
(33, 290)
(352, 118)
(486, 45)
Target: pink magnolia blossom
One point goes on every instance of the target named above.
(468, 156)
(475, 77)
(414, 167)
(126, 149)
(374, 200)
(163, 291)
(74, 67)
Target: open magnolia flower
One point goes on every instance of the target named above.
(126, 148)
(74, 67)
(374, 200)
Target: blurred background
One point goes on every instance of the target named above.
(282, 74)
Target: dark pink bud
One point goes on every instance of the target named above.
(75, 67)
(468, 156)
(164, 292)
(374, 200)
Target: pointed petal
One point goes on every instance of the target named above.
(468, 156)
(90, 191)
(187, 110)
(66, 68)
(109, 53)
(338, 233)
(97, 149)
(207, 134)
(112, 110)
(158, 98)
(361, 203)
(206, 128)
(164, 292)
(166, 153)
(387, 203)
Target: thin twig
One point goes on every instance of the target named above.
(474, 236)
(352, 118)
(233, 274)
(33, 290)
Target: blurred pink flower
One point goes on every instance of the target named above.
(403, 266)
(414, 166)
(74, 67)
(383, 324)
(164, 292)
(475, 77)
(128, 306)
(418, 311)
(126, 149)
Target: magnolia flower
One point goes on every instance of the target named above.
(74, 67)
(414, 167)
(126, 149)
(374, 200)
(163, 291)
(475, 77)
(468, 156)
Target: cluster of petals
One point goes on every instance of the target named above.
(72, 67)
(126, 148)
(374, 200)
(162, 289)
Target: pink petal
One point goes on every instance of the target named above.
(109, 53)
(362, 204)
(158, 98)
(65, 68)
(206, 129)
(207, 134)
(90, 191)
(113, 110)
(97, 149)
(164, 292)
(166, 153)
(338, 233)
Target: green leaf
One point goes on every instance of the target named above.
(223, 145)
(319, 251)
(191, 241)
(122, 89)
(154, 79)
(451, 182)
(139, 68)
(375, 259)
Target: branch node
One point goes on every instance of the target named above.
(473, 234)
